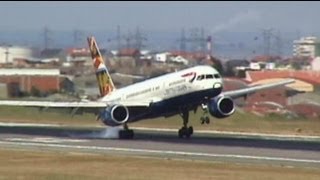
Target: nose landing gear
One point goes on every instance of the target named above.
(205, 118)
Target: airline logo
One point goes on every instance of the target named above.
(192, 75)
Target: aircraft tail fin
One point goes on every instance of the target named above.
(103, 77)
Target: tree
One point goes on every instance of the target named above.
(218, 66)
(296, 65)
(35, 92)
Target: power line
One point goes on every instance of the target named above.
(266, 34)
(77, 36)
(139, 39)
(47, 38)
(197, 40)
(131, 40)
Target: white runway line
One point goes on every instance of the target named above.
(29, 125)
(230, 133)
(44, 140)
(162, 152)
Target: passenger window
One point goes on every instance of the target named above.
(217, 76)
(209, 76)
(200, 77)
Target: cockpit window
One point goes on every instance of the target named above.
(209, 76)
(200, 77)
(217, 76)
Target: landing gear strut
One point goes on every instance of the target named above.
(205, 118)
(185, 131)
(126, 133)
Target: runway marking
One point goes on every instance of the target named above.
(45, 140)
(231, 133)
(29, 125)
(163, 152)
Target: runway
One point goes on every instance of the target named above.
(278, 151)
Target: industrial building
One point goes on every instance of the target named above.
(25, 80)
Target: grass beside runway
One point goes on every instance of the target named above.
(37, 164)
(242, 122)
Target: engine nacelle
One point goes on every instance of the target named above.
(221, 107)
(115, 115)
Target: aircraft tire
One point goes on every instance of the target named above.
(180, 134)
(202, 119)
(190, 130)
(185, 132)
(126, 134)
(207, 120)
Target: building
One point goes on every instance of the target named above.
(51, 53)
(79, 56)
(9, 53)
(305, 81)
(307, 110)
(306, 47)
(275, 95)
(129, 52)
(3, 91)
(179, 60)
(162, 57)
(315, 64)
(25, 80)
(264, 62)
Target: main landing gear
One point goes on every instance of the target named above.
(126, 133)
(185, 131)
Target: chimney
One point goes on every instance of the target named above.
(209, 47)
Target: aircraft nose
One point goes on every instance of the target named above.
(217, 85)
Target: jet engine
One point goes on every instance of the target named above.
(114, 115)
(221, 107)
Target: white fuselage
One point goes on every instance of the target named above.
(168, 86)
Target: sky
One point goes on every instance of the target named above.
(230, 23)
(161, 16)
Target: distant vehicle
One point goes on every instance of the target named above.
(166, 95)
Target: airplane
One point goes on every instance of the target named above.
(163, 96)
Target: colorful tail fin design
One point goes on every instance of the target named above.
(103, 77)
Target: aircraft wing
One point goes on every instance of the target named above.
(72, 104)
(75, 107)
(243, 92)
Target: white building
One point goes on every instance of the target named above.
(9, 53)
(315, 64)
(305, 47)
(180, 60)
(270, 65)
(254, 66)
(162, 57)
(145, 54)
